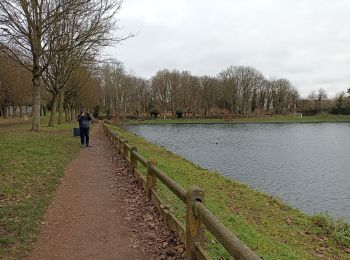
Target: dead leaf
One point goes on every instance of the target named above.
(289, 220)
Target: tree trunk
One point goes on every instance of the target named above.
(53, 110)
(14, 111)
(20, 111)
(5, 111)
(36, 102)
(61, 108)
(70, 113)
(44, 110)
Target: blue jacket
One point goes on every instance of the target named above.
(84, 121)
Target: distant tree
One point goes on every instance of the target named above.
(340, 105)
(209, 93)
(15, 86)
(254, 100)
(321, 95)
(160, 88)
(282, 95)
(230, 86)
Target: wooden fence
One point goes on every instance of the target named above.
(198, 216)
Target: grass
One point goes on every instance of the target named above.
(267, 225)
(31, 166)
(271, 119)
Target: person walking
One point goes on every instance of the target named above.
(84, 125)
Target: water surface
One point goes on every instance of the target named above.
(306, 165)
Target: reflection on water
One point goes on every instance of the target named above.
(307, 165)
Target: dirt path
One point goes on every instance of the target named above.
(99, 212)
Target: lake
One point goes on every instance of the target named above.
(306, 165)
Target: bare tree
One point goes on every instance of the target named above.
(230, 84)
(209, 93)
(27, 33)
(160, 88)
(23, 37)
(14, 86)
(281, 98)
(174, 85)
(321, 95)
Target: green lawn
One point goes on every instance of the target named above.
(270, 227)
(270, 119)
(31, 165)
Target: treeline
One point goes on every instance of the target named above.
(54, 45)
(318, 102)
(80, 91)
(15, 87)
(236, 90)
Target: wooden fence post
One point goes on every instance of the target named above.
(113, 139)
(116, 144)
(151, 179)
(125, 149)
(194, 228)
(120, 145)
(133, 160)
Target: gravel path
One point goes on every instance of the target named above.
(100, 212)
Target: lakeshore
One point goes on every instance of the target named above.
(329, 118)
(267, 225)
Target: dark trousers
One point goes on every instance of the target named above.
(84, 135)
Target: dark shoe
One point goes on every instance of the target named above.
(88, 145)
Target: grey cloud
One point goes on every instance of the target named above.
(304, 41)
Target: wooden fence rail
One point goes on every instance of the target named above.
(198, 216)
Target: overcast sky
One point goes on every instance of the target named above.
(305, 41)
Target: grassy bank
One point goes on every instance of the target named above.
(273, 229)
(271, 119)
(31, 165)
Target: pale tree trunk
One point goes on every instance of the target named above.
(53, 110)
(3, 108)
(36, 102)
(61, 108)
(66, 116)
(73, 114)
(69, 114)
(14, 111)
